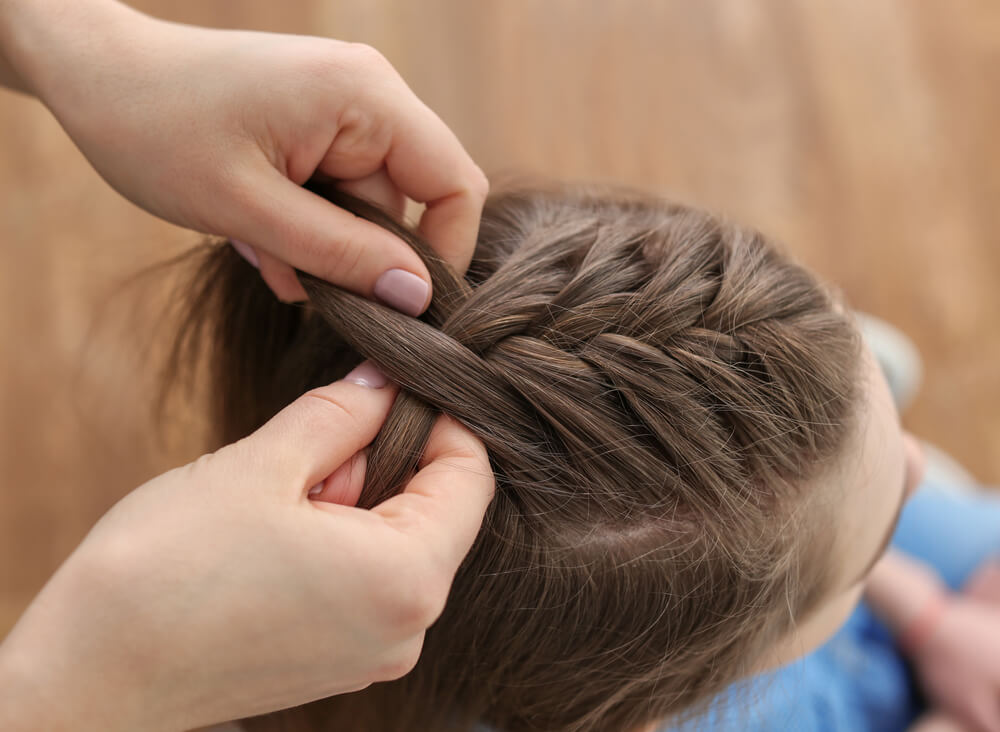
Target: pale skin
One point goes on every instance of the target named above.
(225, 588)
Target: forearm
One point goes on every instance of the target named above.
(899, 588)
(23, 703)
(54, 674)
(39, 692)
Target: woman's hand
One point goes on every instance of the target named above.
(215, 130)
(222, 589)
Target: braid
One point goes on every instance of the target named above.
(602, 317)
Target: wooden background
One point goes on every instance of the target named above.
(864, 134)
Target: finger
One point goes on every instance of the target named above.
(345, 484)
(247, 252)
(276, 275)
(428, 163)
(320, 431)
(983, 713)
(281, 279)
(443, 506)
(985, 583)
(379, 189)
(306, 231)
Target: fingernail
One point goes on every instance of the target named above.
(402, 290)
(246, 252)
(367, 374)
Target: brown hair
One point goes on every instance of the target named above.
(655, 388)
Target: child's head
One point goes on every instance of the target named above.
(696, 457)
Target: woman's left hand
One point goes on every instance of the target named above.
(216, 130)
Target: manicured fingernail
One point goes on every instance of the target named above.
(246, 252)
(367, 374)
(402, 290)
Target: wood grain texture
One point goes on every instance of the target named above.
(862, 134)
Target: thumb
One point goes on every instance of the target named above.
(308, 232)
(443, 506)
(321, 430)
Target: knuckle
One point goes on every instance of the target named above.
(354, 124)
(345, 259)
(428, 600)
(415, 600)
(473, 449)
(281, 279)
(205, 461)
(325, 407)
(480, 186)
(402, 660)
(324, 60)
(367, 57)
(242, 194)
(461, 443)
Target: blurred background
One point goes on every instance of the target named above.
(863, 135)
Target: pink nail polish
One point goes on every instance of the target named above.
(246, 252)
(402, 290)
(367, 374)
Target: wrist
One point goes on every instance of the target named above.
(55, 673)
(31, 697)
(20, 708)
(50, 47)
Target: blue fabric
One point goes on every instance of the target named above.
(857, 681)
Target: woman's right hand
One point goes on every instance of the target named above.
(229, 587)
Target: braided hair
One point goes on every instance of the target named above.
(655, 388)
